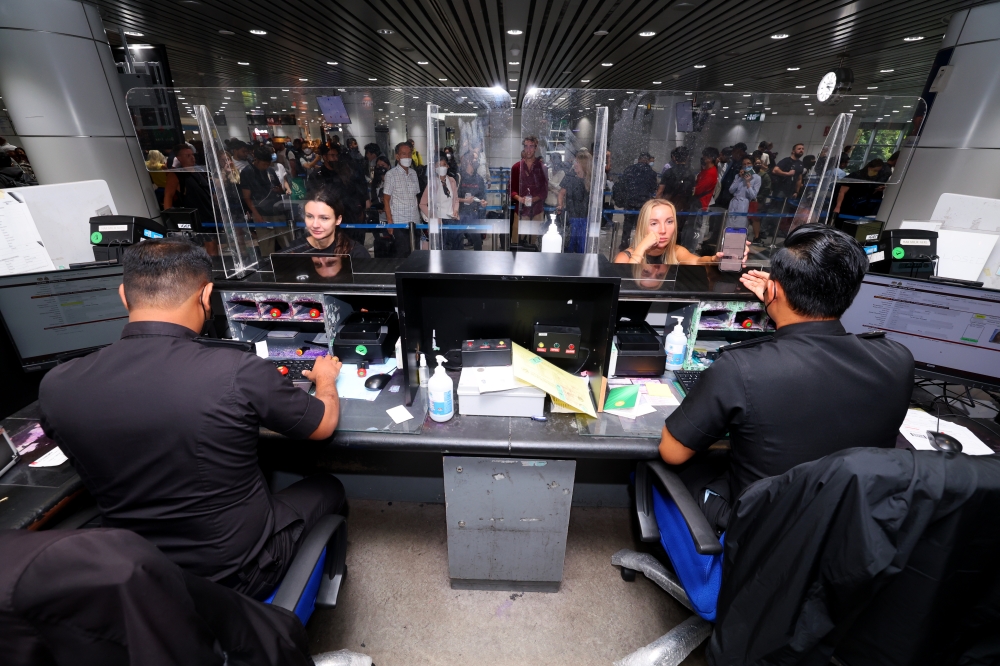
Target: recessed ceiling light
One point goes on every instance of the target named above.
(779, 35)
(700, 66)
(186, 98)
(442, 79)
(886, 71)
(384, 31)
(514, 31)
(906, 106)
(606, 64)
(600, 33)
(727, 84)
(647, 33)
(584, 80)
(895, 111)
(767, 108)
(274, 98)
(808, 104)
(512, 89)
(242, 63)
(872, 87)
(862, 98)
(746, 94)
(688, 93)
(258, 32)
(800, 86)
(226, 32)
(422, 62)
(793, 69)
(915, 38)
(656, 83)
(331, 62)
(512, 79)
(303, 79)
(132, 33)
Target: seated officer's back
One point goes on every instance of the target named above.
(807, 391)
(163, 430)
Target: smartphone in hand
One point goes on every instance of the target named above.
(734, 243)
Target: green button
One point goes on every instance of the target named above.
(96, 237)
(361, 349)
(898, 253)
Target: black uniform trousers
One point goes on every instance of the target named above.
(297, 509)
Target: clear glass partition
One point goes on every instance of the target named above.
(664, 143)
(244, 162)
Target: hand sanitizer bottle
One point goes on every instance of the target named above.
(441, 393)
(552, 240)
(676, 345)
(422, 371)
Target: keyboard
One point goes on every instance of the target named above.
(687, 379)
(293, 369)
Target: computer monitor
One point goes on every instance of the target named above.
(952, 331)
(60, 314)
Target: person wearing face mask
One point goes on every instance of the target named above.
(743, 190)
(656, 239)
(178, 462)
(399, 199)
(807, 391)
(446, 203)
(308, 161)
(449, 154)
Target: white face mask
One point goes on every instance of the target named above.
(405, 162)
(442, 171)
(307, 151)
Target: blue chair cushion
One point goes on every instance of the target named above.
(700, 575)
(307, 602)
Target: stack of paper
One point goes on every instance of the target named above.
(627, 402)
(565, 389)
(918, 422)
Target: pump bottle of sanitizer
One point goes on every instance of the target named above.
(676, 345)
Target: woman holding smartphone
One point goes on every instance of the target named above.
(655, 239)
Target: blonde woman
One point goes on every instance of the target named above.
(155, 164)
(574, 198)
(655, 240)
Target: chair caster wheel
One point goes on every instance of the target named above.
(628, 575)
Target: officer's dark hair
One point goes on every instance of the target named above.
(820, 269)
(163, 273)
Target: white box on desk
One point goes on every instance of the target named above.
(524, 401)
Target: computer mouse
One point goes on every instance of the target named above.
(943, 442)
(377, 382)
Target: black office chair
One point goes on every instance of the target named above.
(867, 556)
(314, 577)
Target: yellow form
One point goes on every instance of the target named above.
(566, 389)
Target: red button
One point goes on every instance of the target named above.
(314, 313)
(572, 347)
(282, 369)
(275, 313)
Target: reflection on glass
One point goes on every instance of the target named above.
(655, 242)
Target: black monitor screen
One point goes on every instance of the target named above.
(53, 315)
(953, 332)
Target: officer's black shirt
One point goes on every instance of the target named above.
(163, 431)
(809, 390)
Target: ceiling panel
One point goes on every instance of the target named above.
(466, 42)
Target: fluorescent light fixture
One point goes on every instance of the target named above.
(513, 62)
(906, 107)
(226, 32)
(606, 64)
(886, 71)
(186, 98)
(442, 79)
(258, 32)
(514, 31)
(728, 84)
(512, 79)
(332, 62)
(600, 33)
(303, 79)
(647, 33)
(872, 87)
(746, 94)
(512, 89)
(230, 91)
(274, 98)
(242, 63)
(132, 33)
(915, 38)
(687, 93)
(656, 83)
(700, 66)
(800, 86)
(584, 80)
(384, 31)
(779, 35)
(371, 79)
(422, 62)
(793, 69)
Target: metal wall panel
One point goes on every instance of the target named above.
(52, 15)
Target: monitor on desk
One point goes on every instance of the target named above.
(952, 331)
(60, 314)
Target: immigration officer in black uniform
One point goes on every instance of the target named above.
(809, 390)
(163, 429)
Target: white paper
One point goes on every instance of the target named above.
(399, 414)
(918, 422)
(642, 407)
(490, 380)
(963, 254)
(352, 387)
(53, 458)
(261, 348)
(21, 249)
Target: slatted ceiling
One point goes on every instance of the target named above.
(466, 42)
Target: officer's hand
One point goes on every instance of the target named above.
(755, 281)
(325, 370)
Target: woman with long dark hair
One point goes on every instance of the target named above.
(324, 214)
